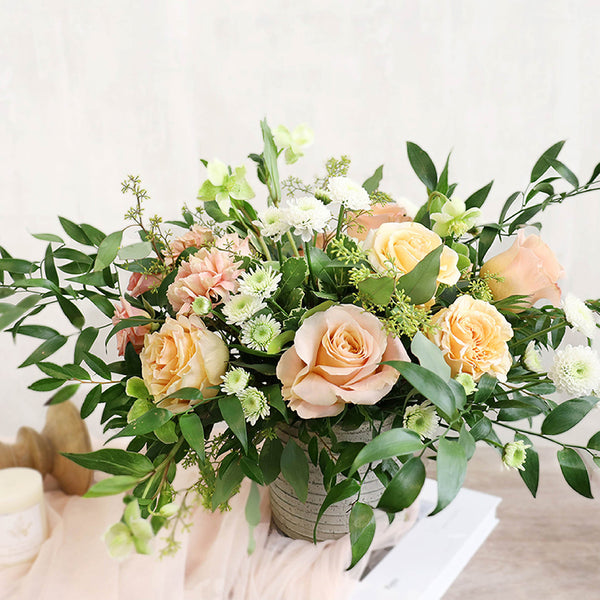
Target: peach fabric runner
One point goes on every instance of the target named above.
(212, 563)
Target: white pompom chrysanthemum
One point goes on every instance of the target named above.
(349, 193)
(262, 282)
(235, 381)
(422, 419)
(240, 308)
(273, 223)
(307, 216)
(579, 315)
(254, 404)
(576, 370)
(259, 332)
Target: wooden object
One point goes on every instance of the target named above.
(64, 431)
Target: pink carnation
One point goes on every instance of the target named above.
(140, 283)
(233, 243)
(135, 335)
(210, 273)
(196, 237)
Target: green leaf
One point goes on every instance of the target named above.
(341, 491)
(377, 290)
(135, 251)
(270, 460)
(395, 442)
(420, 283)
(66, 392)
(294, 468)
(47, 237)
(372, 183)
(270, 156)
(432, 386)
(114, 461)
(574, 471)
(567, 415)
(166, 433)
(75, 232)
(594, 442)
(193, 433)
(94, 235)
(111, 486)
(293, 274)
(451, 471)
(108, 250)
(37, 331)
(43, 351)
(251, 470)
(467, 441)
(485, 387)
(91, 401)
(477, 199)
(233, 414)
(46, 385)
(323, 267)
(191, 394)
(136, 388)
(486, 239)
(17, 265)
(227, 482)
(362, 530)
(130, 322)
(97, 365)
(430, 356)
(85, 340)
(49, 267)
(531, 468)
(252, 513)
(544, 162)
(147, 423)
(14, 312)
(278, 342)
(564, 172)
(72, 313)
(422, 165)
(404, 487)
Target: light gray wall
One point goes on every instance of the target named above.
(91, 91)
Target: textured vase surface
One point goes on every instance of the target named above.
(297, 519)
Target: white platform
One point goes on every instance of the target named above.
(426, 561)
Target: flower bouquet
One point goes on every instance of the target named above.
(253, 342)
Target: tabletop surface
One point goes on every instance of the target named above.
(543, 548)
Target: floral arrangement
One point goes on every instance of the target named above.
(332, 306)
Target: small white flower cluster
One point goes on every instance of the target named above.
(349, 193)
(259, 332)
(422, 419)
(242, 307)
(262, 282)
(305, 216)
(254, 402)
(576, 370)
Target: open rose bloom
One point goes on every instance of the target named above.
(335, 360)
(316, 338)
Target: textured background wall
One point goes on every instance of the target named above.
(91, 91)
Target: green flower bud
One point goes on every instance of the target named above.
(201, 306)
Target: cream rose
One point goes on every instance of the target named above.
(527, 268)
(183, 353)
(403, 245)
(335, 360)
(472, 335)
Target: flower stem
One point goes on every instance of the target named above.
(340, 222)
(542, 332)
(293, 244)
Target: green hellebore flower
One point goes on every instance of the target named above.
(119, 541)
(455, 220)
(222, 186)
(293, 142)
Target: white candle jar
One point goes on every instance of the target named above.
(22, 515)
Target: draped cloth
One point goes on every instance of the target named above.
(212, 562)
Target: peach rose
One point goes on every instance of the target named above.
(140, 283)
(379, 214)
(403, 245)
(335, 360)
(183, 353)
(196, 237)
(472, 335)
(135, 335)
(528, 268)
(210, 273)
